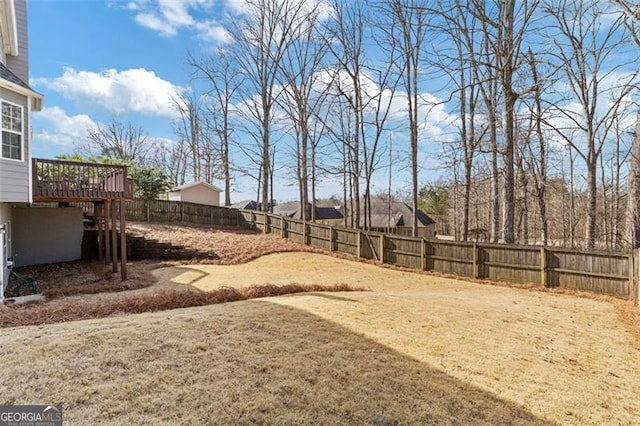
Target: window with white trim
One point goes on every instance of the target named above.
(11, 131)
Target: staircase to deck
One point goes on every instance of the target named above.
(141, 248)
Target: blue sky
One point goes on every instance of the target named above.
(93, 61)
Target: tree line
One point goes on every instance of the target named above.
(540, 95)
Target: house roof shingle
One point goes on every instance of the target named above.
(292, 210)
(401, 215)
(7, 74)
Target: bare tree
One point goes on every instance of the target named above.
(505, 28)
(188, 127)
(260, 42)
(118, 141)
(173, 158)
(582, 51)
(538, 158)
(461, 65)
(218, 71)
(303, 96)
(412, 19)
(631, 20)
(345, 39)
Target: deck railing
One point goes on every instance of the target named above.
(72, 180)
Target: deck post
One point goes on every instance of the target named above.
(123, 241)
(107, 237)
(114, 237)
(97, 216)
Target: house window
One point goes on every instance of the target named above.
(11, 131)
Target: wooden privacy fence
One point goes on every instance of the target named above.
(179, 211)
(610, 273)
(175, 211)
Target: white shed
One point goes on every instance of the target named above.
(196, 192)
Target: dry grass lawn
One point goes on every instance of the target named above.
(416, 349)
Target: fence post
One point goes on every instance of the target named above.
(304, 233)
(382, 248)
(423, 254)
(476, 256)
(543, 266)
(330, 239)
(359, 243)
(147, 204)
(633, 276)
(282, 225)
(181, 212)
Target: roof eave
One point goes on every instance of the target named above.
(36, 98)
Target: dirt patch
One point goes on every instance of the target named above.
(229, 246)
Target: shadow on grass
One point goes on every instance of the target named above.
(250, 362)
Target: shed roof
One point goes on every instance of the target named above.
(194, 184)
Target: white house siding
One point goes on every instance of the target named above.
(19, 65)
(14, 175)
(47, 235)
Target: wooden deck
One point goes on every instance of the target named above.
(68, 181)
(105, 185)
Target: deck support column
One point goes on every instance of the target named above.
(97, 214)
(123, 241)
(114, 237)
(107, 236)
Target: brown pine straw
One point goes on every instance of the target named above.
(74, 310)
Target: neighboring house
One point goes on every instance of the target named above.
(324, 215)
(245, 205)
(248, 205)
(196, 192)
(30, 235)
(400, 220)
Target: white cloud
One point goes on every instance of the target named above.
(211, 32)
(62, 131)
(133, 90)
(153, 22)
(169, 17)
